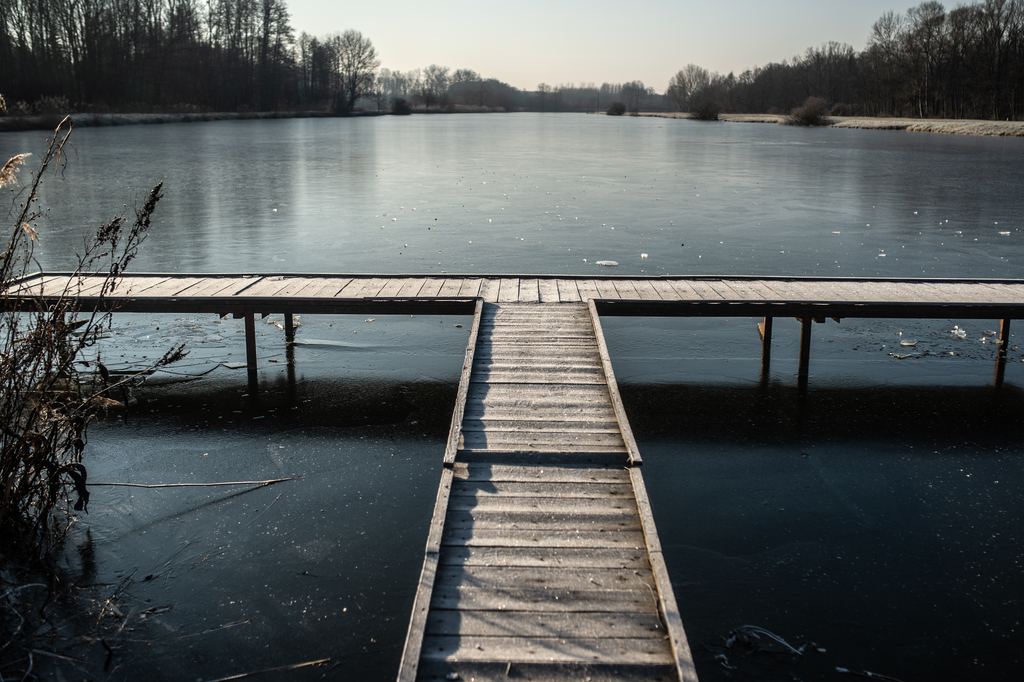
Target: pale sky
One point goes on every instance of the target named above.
(526, 42)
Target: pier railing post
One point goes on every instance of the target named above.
(765, 329)
(1004, 341)
(805, 352)
(250, 345)
(289, 327)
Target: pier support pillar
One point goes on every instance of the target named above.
(250, 346)
(805, 352)
(289, 328)
(1004, 342)
(765, 330)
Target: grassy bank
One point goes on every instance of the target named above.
(916, 125)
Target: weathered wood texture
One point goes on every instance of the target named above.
(538, 384)
(544, 572)
(543, 568)
(729, 296)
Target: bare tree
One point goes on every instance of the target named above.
(542, 91)
(633, 92)
(686, 87)
(356, 64)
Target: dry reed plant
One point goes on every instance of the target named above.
(49, 391)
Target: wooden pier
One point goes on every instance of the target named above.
(542, 561)
(809, 299)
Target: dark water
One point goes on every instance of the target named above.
(878, 517)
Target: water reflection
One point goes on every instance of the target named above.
(543, 193)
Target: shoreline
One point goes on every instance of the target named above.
(923, 125)
(914, 125)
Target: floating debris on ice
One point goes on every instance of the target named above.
(959, 333)
(643, 255)
(901, 356)
(1005, 234)
(608, 263)
(908, 344)
(988, 333)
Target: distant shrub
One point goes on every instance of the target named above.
(616, 109)
(841, 110)
(401, 107)
(814, 112)
(707, 110)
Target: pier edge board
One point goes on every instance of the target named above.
(666, 595)
(455, 432)
(613, 388)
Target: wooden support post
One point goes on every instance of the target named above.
(250, 345)
(1004, 342)
(765, 330)
(289, 328)
(805, 352)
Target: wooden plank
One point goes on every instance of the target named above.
(520, 624)
(625, 289)
(444, 492)
(540, 426)
(455, 430)
(548, 290)
(489, 290)
(587, 289)
(550, 578)
(411, 287)
(665, 290)
(543, 488)
(548, 442)
(409, 664)
(786, 291)
(556, 412)
(723, 290)
(451, 287)
(552, 474)
(326, 287)
(606, 289)
(490, 372)
(390, 289)
(529, 291)
(544, 650)
(547, 449)
(613, 390)
(645, 289)
(540, 397)
(1010, 293)
(594, 557)
(973, 293)
(666, 595)
(499, 512)
(684, 291)
(748, 291)
(364, 287)
(432, 287)
(508, 290)
(900, 291)
(567, 291)
(471, 288)
(702, 289)
(823, 290)
(513, 599)
(267, 286)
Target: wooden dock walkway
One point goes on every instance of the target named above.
(809, 299)
(543, 560)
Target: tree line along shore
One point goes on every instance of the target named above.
(946, 126)
(193, 59)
